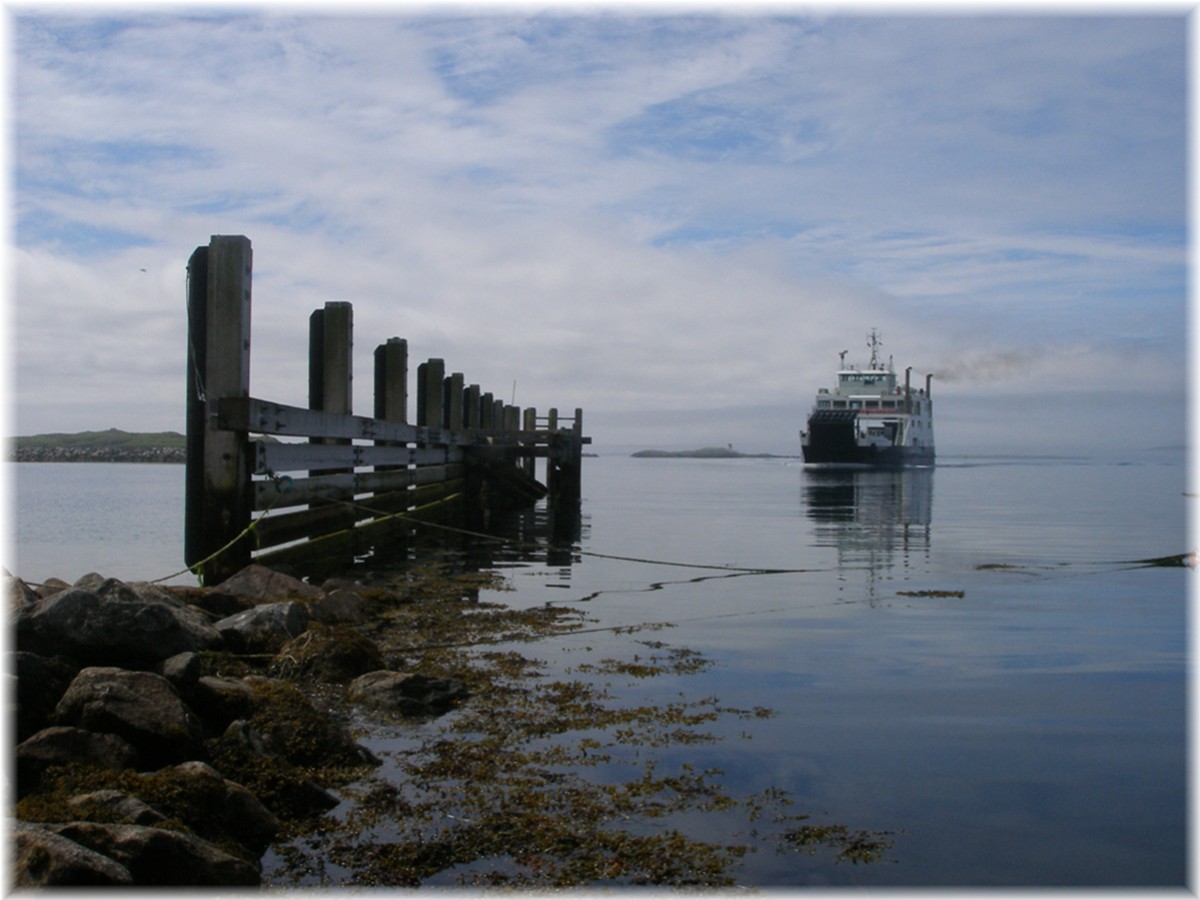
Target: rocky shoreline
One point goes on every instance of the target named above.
(163, 735)
(98, 454)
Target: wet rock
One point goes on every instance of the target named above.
(407, 694)
(183, 670)
(213, 603)
(40, 683)
(41, 858)
(114, 804)
(17, 592)
(242, 748)
(52, 586)
(219, 700)
(263, 629)
(141, 707)
(226, 807)
(294, 730)
(259, 584)
(334, 656)
(338, 607)
(114, 625)
(161, 858)
(63, 746)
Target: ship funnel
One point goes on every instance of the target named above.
(928, 381)
(908, 390)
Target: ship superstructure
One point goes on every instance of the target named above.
(869, 419)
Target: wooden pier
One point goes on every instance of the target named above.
(313, 489)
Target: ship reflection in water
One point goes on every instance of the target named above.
(877, 520)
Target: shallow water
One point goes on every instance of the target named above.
(965, 656)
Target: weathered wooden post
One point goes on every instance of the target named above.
(330, 386)
(391, 380)
(530, 424)
(217, 496)
(431, 377)
(391, 405)
(454, 401)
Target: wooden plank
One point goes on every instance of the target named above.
(271, 458)
(344, 485)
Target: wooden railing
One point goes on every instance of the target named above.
(313, 489)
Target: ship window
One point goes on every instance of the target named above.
(839, 404)
(823, 404)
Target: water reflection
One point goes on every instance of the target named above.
(877, 520)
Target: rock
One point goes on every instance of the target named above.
(89, 582)
(114, 625)
(40, 683)
(141, 707)
(294, 730)
(183, 670)
(259, 584)
(41, 858)
(230, 809)
(126, 808)
(18, 592)
(333, 656)
(211, 602)
(156, 857)
(263, 629)
(408, 694)
(338, 607)
(292, 792)
(52, 586)
(219, 700)
(64, 745)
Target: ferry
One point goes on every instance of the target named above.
(870, 420)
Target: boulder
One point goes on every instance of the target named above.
(17, 592)
(219, 700)
(156, 857)
(41, 858)
(263, 629)
(141, 707)
(228, 809)
(183, 670)
(333, 656)
(292, 792)
(64, 745)
(40, 683)
(258, 584)
(52, 586)
(407, 694)
(113, 625)
(117, 805)
(338, 607)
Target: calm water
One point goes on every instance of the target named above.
(961, 655)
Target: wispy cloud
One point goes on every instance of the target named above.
(625, 212)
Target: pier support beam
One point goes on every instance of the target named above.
(218, 499)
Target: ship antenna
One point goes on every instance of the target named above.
(874, 344)
(842, 357)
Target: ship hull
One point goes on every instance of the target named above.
(832, 440)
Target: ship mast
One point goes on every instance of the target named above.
(874, 343)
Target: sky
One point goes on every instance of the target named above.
(673, 219)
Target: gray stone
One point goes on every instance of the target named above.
(263, 629)
(156, 857)
(131, 810)
(405, 693)
(63, 745)
(40, 683)
(141, 707)
(236, 812)
(338, 607)
(114, 625)
(220, 699)
(259, 584)
(41, 858)
(183, 670)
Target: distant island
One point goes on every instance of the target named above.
(705, 453)
(113, 445)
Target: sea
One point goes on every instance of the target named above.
(984, 659)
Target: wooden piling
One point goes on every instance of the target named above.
(218, 475)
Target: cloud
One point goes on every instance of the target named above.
(638, 213)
